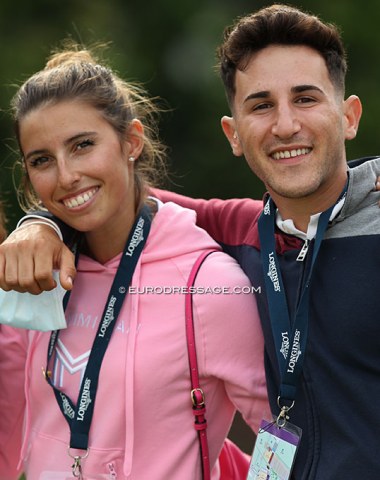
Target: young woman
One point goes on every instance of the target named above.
(88, 402)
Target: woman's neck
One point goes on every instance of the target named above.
(107, 243)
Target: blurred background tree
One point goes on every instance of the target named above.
(169, 46)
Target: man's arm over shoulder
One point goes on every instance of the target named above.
(29, 255)
(227, 221)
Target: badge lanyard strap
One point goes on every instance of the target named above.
(291, 360)
(79, 417)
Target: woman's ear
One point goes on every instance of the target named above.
(135, 139)
(229, 129)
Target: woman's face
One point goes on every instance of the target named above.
(78, 166)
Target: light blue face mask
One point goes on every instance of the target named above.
(42, 312)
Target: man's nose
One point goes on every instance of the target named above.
(286, 122)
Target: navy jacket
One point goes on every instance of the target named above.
(337, 399)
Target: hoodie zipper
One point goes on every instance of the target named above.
(111, 468)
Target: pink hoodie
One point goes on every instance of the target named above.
(142, 427)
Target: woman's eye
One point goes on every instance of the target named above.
(36, 162)
(83, 144)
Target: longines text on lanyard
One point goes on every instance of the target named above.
(295, 332)
(79, 416)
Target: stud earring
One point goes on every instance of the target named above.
(131, 159)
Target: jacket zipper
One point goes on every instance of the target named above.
(303, 252)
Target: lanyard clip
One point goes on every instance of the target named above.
(283, 416)
(76, 467)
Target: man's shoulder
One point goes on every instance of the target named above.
(359, 161)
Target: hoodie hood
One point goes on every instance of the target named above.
(361, 194)
(169, 237)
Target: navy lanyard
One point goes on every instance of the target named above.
(290, 337)
(79, 416)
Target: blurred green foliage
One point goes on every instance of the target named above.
(169, 46)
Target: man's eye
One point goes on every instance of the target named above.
(261, 106)
(305, 100)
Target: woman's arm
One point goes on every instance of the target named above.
(228, 329)
(13, 344)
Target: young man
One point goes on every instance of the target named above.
(313, 255)
(284, 74)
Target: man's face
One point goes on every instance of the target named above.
(290, 123)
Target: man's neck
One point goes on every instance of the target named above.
(301, 209)
(299, 212)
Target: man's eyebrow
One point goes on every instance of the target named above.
(303, 88)
(296, 89)
(262, 94)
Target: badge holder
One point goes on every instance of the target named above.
(275, 449)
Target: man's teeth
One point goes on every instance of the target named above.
(291, 153)
(80, 199)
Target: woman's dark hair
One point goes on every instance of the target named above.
(73, 73)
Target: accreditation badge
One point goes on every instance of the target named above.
(274, 452)
(67, 476)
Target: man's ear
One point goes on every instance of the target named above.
(229, 129)
(352, 112)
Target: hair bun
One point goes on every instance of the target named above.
(69, 57)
